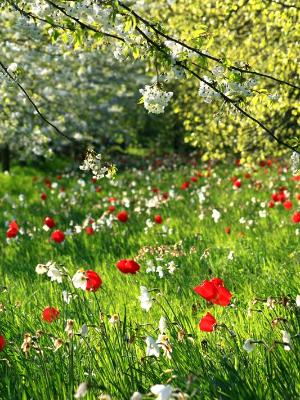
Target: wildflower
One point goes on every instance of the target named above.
(50, 314)
(162, 392)
(43, 196)
(93, 281)
(158, 219)
(237, 184)
(69, 327)
(288, 205)
(249, 345)
(2, 342)
(164, 343)
(162, 326)
(57, 344)
(214, 291)
(185, 185)
(216, 215)
(13, 230)
(79, 280)
(82, 390)
(114, 319)
(230, 256)
(89, 230)
(122, 216)
(286, 338)
(145, 298)
(128, 266)
(93, 162)
(227, 230)
(207, 323)
(298, 300)
(54, 273)
(49, 222)
(58, 236)
(26, 345)
(296, 217)
(152, 347)
(136, 396)
(171, 267)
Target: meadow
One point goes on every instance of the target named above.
(176, 280)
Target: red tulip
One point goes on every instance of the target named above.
(228, 230)
(155, 190)
(185, 185)
(207, 323)
(111, 209)
(93, 281)
(122, 216)
(58, 236)
(158, 219)
(49, 222)
(128, 266)
(194, 179)
(2, 343)
(13, 230)
(271, 204)
(296, 217)
(288, 204)
(165, 195)
(214, 291)
(237, 183)
(43, 196)
(89, 230)
(50, 314)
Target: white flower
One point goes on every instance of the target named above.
(81, 390)
(249, 345)
(160, 271)
(206, 91)
(230, 255)
(286, 338)
(216, 215)
(162, 326)
(136, 396)
(145, 298)
(66, 296)
(12, 68)
(54, 273)
(171, 267)
(152, 347)
(79, 280)
(162, 392)
(298, 300)
(155, 99)
(41, 269)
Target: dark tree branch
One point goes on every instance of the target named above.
(218, 60)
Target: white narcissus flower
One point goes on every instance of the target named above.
(286, 338)
(54, 273)
(79, 280)
(81, 390)
(66, 296)
(249, 345)
(216, 215)
(230, 255)
(152, 347)
(298, 300)
(162, 392)
(145, 298)
(136, 396)
(41, 269)
(162, 326)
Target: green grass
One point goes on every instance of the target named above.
(112, 358)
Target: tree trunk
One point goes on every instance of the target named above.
(5, 158)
